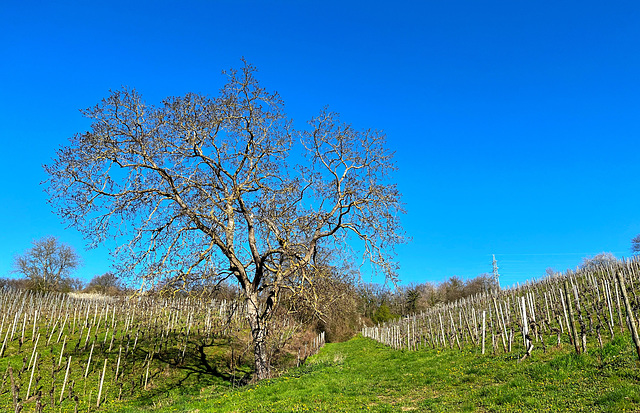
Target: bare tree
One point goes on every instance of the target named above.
(453, 288)
(370, 297)
(107, 283)
(48, 265)
(598, 261)
(635, 244)
(483, 283)
(331, 305)
(217, 187)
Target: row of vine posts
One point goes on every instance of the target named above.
(586, 306)
(58, 351)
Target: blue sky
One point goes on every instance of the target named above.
(515, 124)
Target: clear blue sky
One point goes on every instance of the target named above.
(516, 124)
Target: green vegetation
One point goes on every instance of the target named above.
(383, 314)
(155, 353)
(362, 375)
(178, 376)
(63, 352)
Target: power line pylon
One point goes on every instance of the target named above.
(496, 275)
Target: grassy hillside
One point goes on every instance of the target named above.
(362, 375)
(61, 353)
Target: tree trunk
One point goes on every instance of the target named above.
(257, 322)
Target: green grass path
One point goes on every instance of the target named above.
(362, 375)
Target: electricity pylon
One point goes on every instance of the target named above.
(496, 275)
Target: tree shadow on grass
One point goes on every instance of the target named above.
(205, 363)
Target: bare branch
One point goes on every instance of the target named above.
(209, 187)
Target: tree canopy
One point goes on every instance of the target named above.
(598, 261)
(219, 187)
(48, 265)
(107, 283)
(635, 244)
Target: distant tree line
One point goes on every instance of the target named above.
(379, 303)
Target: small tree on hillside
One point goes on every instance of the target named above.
(483, 283)
(598, 261)
(454, 288)
(215, 187)
(107, 283)
(370, 297)
(47, 265)
(635, 244)
(383, 314)
(412, 297)
(71, 284)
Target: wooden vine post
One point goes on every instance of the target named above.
(572, 327)
(632, 321)
(484, 323)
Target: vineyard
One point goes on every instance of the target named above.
(64, 352)
(78, 352)
(585, 308)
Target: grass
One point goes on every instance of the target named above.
(174, 379)
(362, 375)
(359, 375)
(205, 364)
